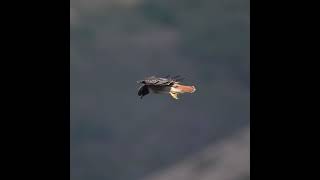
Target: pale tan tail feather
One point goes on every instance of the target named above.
(174, 95)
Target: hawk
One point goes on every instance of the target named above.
(164, 85)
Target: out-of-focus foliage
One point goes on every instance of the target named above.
(117, 136)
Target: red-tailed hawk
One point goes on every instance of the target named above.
(164, 85)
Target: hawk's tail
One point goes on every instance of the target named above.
(186, 89)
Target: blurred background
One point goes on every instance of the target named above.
(115, 135)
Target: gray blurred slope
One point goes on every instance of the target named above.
(115, 135)
(227, 160)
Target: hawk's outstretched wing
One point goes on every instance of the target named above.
(155, 81)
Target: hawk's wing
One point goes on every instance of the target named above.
(155, 81)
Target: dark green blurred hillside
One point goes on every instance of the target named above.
(117, 136)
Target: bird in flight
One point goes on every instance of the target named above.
(164, 85)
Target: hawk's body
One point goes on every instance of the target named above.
(165, 85)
